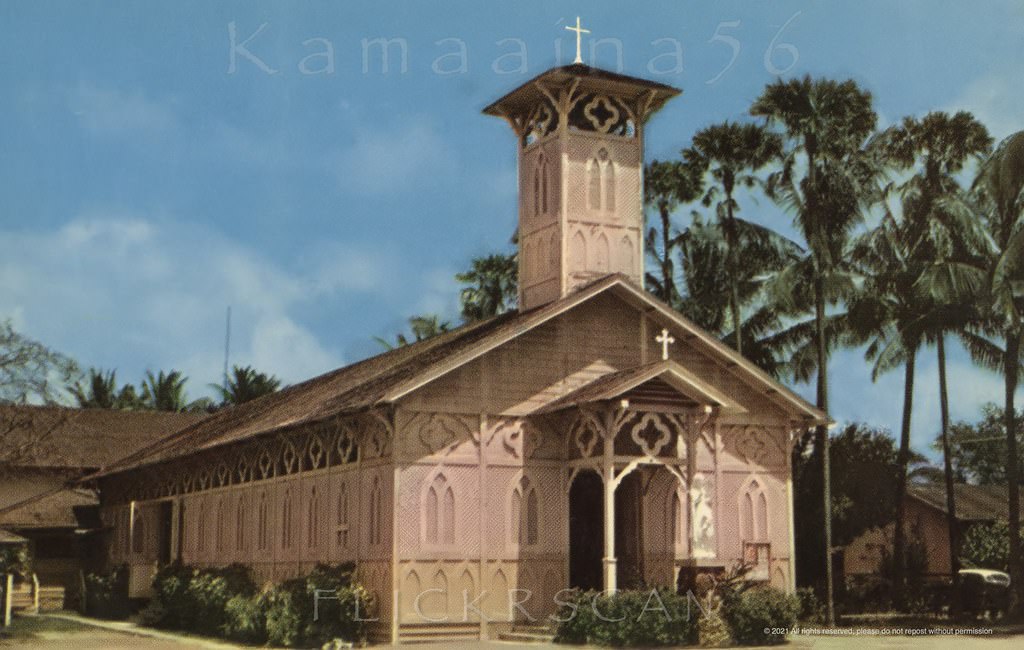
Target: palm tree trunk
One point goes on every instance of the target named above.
(822, 442)
(668, 286)
(947, 457)
(899, 542)
(1012, 366)
(734, 305)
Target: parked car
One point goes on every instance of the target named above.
(984, 591)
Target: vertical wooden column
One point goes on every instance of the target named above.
(608, 475)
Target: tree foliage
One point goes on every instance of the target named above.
(979, 448)
(30, 372)
(492, 286)
(246, 384)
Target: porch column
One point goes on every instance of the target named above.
(608, 474)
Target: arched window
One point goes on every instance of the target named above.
(594, 184)
(609, 185)
(313, 517)
(342, 515)
(440, 512)
(376, 524)
(754, 512)
(524, 527)
(262, 513)
(678, 523)
(287, 535)
(240, 524)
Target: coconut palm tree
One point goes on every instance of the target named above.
(706, 279)
(165, 391)
(996, 341)
(730, 153)
(939, 246)
(100, 391)
(666, 186)
(823, 183)
(246, 384)
(493, 286)
(423, 328)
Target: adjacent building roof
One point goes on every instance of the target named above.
(58, 508)
(58, 437)
(973, 502)
(388, 377)
(7, 537)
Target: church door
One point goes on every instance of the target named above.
(165, 524)
(586, 531)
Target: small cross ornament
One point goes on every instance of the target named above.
(579, 34)
(665, 341)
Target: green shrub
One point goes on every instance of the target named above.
(245, 619)
(188, 598)
(628, 619)
(316, 608)
(811, 609)
(106, 594)
(752, 612)
(15, 559)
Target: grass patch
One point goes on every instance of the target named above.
(24, 628)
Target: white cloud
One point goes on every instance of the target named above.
(385, 158)
(113, 111)
(996, 100)
(115, 290)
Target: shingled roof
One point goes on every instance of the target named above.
(973, 502)
(69, 438)
(387, 377)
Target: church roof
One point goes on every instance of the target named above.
(388, 377)
(658, 378)
(590, 79)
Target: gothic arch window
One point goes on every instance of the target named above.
(626, 253)
(375, 512)
(594, 184)
(287, 535)
(439, 526)
(240, 523)
(601, 253)
(601, 182)
(524, 528)
(754, 512)
(313, 519)
(578, 252)
(342, 515)
(262, 517)
(678, 520)
(540, 186)
(222, 522)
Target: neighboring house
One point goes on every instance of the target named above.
(926, 522)
(44, 449)
(595, 438)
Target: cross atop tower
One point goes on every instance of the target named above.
(579, 35)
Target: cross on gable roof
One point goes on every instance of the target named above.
(386, 378)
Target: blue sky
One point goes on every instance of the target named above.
(145, 184)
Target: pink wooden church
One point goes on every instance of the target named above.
(594, 438)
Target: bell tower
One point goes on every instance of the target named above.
(580, 140)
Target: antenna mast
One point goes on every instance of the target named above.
(227, 347)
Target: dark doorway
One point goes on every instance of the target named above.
(629, 545)
(586, 531)
(166, 524)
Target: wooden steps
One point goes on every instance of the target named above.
(529, 634)
(426, 633)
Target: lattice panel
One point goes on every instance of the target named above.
(416, 481)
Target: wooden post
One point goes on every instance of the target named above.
(35, 594)
(608, 474)
(8, 593)
(82, 608)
